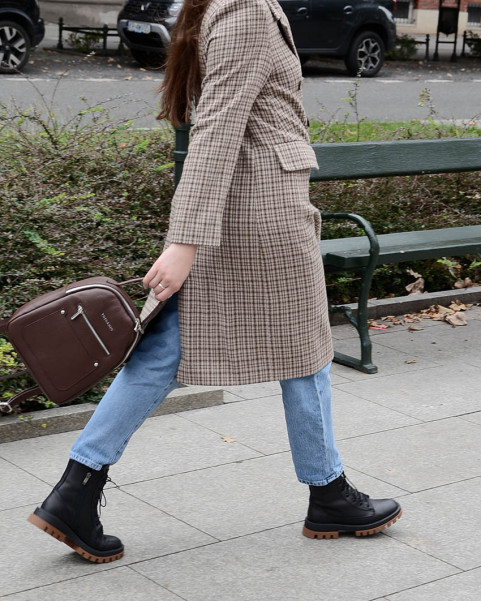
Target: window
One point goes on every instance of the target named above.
(474, 15)
(404, 11)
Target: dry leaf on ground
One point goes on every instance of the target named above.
(457, 319)
(227, 439)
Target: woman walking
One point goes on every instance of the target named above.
(241, 272)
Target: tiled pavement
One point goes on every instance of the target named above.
(203, 519)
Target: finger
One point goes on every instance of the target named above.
(153, 279)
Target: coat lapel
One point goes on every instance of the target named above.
(283, 23)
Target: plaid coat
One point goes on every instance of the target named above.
(253, 308)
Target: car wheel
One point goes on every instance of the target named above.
(366, 55)
(148, 58)
(14, 47)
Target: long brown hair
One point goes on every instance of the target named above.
(181, 85)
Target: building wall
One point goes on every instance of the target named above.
(425, 18)
(78, 14)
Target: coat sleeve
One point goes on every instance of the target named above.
(236, 44)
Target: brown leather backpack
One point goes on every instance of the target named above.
(71, 338)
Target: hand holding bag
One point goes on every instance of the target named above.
(71, 338)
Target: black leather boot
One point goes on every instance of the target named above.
(339, 507)
(70, 514)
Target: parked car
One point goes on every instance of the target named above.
(360, 31)
(145, 28)
(21, 28)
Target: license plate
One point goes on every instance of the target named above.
(138, 27)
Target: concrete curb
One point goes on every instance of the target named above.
(402, 305)
(66, 419)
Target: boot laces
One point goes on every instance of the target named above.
(102, 498)
(356, 495)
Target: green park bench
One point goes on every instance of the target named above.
(359, 160)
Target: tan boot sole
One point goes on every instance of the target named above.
(335, 533)
(49, 529)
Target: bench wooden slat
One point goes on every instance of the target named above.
(353, 253)
(404, 157)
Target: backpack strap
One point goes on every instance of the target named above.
(8, 406)
(3, 326)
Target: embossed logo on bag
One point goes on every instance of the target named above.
(107, 322)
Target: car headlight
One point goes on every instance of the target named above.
(174, 9)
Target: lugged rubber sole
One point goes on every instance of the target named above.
(360, 532)
(63, 538)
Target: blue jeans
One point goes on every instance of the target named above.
(149, 376)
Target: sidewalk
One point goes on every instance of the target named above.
(208, 506)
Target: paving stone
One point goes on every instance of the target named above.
(255, 391)
(241, 498)
(258, 424)
(441, 345)
(460, 587)
(45, 457)
(475, 417)
(441, 522)
(35, 559)
(389, 360)
(418, 457)
(354, 416)
(19, 488)
(282, 564)
(115, 584)
(169, 445)
(424, 394)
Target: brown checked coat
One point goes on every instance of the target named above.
(253, 308)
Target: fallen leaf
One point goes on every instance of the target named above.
(457, 319)
(444, 310)
(416, 287)
(466, 283)
(128, 78)
(411, 361)
(227, 439)
(414, 328)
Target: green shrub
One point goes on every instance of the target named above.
(405, 48)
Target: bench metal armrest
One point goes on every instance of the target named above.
(360, 322)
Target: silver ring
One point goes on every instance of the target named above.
(160, 286)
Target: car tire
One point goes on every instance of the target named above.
(14, 47)
(148, 58)
(366, 55)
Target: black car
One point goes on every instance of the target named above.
(360, 31)
(145, 27)
(21, 28)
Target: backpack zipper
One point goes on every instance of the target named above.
(81, 311)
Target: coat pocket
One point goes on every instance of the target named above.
(294, 156)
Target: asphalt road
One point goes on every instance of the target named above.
(67, 83)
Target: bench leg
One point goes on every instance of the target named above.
(365, 363)
(360, 322)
